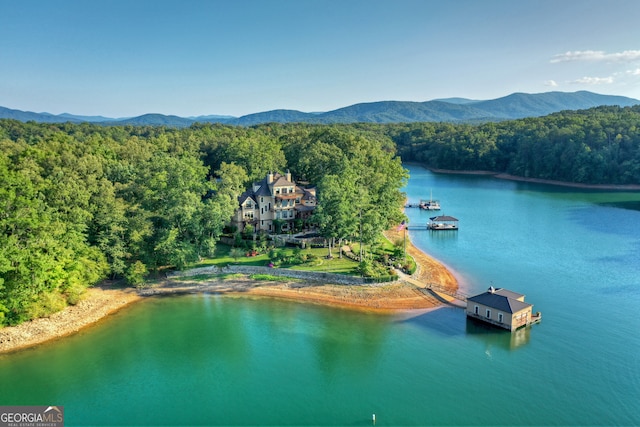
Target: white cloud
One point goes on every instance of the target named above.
(635, 72)
(597, 55)
(593, 80)
(551, 83)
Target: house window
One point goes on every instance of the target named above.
(477, 309)
(500, 317)
(488, 314)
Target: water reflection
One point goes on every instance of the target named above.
(610, 219)
(443, 235)
(633, 205)
(496, 337)
(445, 321)
(360, 340)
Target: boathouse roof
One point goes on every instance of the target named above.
(443, 218)
(501, 299)
(507, 293)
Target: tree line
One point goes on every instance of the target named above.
(80, 202)
(595, 146)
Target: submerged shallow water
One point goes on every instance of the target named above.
(211, 360)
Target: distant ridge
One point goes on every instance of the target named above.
(457, 100)
(91, 119)
(155, 120)
(456, 110)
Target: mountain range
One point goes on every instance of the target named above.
(457, 110)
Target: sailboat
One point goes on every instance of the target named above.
(430, 205)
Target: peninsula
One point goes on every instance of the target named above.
(106, 298)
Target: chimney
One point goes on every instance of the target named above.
(288, 176)
(270, 178)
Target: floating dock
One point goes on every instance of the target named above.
(442, 222)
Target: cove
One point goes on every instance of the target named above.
(211, 360)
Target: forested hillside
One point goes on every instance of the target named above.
(596, 146)
(80, 202)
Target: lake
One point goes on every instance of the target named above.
(217, 360)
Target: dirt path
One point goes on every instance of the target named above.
(429, 269)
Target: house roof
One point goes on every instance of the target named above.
(499, 300)
(263, 190)
(246, 195)
(281, 181)
(308, 195)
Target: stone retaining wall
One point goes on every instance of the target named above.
(315, 276)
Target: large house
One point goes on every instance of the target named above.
(501, 307)
(275, 198)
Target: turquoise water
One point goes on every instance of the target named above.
(211, 360)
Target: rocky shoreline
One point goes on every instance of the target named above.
(96, 304)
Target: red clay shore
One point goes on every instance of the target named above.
(629, 187)
(101, 301)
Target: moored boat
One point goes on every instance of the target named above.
(430, 205)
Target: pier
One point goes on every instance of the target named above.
(417, 227)
(447, 296)
(427, 205)
(412, 205)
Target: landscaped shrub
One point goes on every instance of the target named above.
(410, 266)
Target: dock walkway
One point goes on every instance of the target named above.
(412, 205)
(456, 299)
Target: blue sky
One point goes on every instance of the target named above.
(125, 58)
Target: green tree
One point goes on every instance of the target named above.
(236, 253)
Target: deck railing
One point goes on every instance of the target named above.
(454, 294)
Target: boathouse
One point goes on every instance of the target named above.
(442, 222)
(503, 308)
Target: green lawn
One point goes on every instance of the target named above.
(321, 263)
(337, 265)
(223, 258)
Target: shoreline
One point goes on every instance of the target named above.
(101, 301)
(506, 176)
